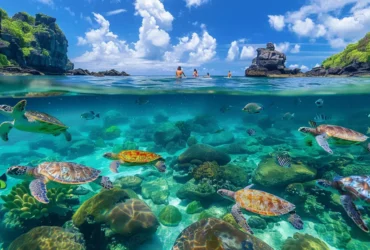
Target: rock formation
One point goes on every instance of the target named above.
(269, 62)
(33, 43)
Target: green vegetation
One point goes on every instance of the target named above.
(359, 52)
(4, 60)
(26, 51)
(45, 52)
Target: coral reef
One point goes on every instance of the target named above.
(204, 153)
(257, 222)
(304, 242)
(111, 133)
(46, 238)
(113, 117)
(132, 182)
(210, 170)
(225, 137)
(156, 190)
(194, 207)
(191, 141)
(192, 191)
(170, 216)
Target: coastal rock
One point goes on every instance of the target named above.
(203, 153)
(224, 137)
(269, 174)
(269, 62)
(212, 233)
(85, 72)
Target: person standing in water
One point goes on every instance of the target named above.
(229, 74)
(207, 76)
(195, 73)
(179, 72)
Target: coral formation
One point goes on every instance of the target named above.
(111, 133)
(204, 153)
(304, 242)
(170, 216)
(210, 170)
(156, 190)
(194, 207)
(132, 182)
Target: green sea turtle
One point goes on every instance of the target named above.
(135, 158)
(60, 172)
(353, 190)
(259, 202)
(339, 135)
(30, 121)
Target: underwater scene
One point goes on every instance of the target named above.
(209, 164)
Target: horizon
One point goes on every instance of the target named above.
(153, 37)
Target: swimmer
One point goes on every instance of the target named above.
(179, 72)
(195, 73)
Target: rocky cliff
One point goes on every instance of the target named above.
(353, 61)
(269, 62)
(36, 43)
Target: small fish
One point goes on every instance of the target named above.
(219, 131)
(90, 115)
(252, 108)
(3, 181)
(247, 245)
(297, 101)
(319, 103)
(283, 160)
(141, 100)
(225, 108)
(251, 132)
(321, 118)
(288, 116)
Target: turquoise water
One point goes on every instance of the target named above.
(159, 115)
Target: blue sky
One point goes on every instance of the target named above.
(146, 37)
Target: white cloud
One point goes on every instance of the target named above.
(115, 12)
(338, 21)
(317, 65)
(152, 51)
(277, 22)
(296, 49)
(69, 11)
(194, 23)
(293, 66)
(203, 26)
(195, 3)
(47, 2)
(282, 47)
(304, 68)
(233, 52)
(248, 52)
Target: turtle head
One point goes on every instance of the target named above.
(227, 194)
(161, 166)
(307, 130)
(110, 156)
(18, 172)
(6, 110)
(326, 185)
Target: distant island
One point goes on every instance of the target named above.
(37, 46)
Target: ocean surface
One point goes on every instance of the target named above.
(174, 118)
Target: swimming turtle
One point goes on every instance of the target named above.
(30, 121)
(353, 190)
(339, 135)
(259, 202)
(135, 158)
(61, 172)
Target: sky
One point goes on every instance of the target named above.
(153, 37)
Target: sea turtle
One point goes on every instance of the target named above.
(135, 158)
(353, 190)
(61, 172)
(259, 202)
(339, 135)
(30, 121)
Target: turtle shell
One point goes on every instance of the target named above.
(342, 133)
(43, 117)
(356, 186)
(138, 156)
(262, 203)
(68, 172)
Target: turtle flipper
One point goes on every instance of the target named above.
(39, 191)
(353, 212)
(67, 135)
(104, 182)
(5, 128)
(114, 166)
(323, 143)
(239, 218)
(295, 220)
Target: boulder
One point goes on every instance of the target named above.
(212, 233)
(132, 182)
(304, 242)
(203, 153)
(270, 174)
(224, 137)
(166, 132)
(170, 216)
(156, 190)
(257, 222)
(199, 192)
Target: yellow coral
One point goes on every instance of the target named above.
(208, 169)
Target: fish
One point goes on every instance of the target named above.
(219, 131)
(319, 103)
(288, 116)
(252, 108)
(225, 108)
(283, 160)
(251, 132)
(90, 115)
(3, 180)
(321, 118)
(141, 100)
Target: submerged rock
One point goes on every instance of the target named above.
(132, 182)
(156, 190)
(212, 233)
(257, 222)
(269, 174)
(170, 216)
(204, 153)
(225, 137)
(194, 207)
(46, 238)
(200, 192)
(304, 242)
